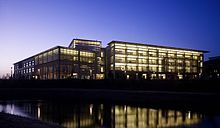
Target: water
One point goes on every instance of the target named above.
(97, 115)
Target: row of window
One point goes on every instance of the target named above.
(25, 71)
(27, 64)
(156, 69)
(157, 61)
(157, 54)
(150, 48)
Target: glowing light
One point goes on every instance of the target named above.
(90, 109)
(189, 115)
(38, 112)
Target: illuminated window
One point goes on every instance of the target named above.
(162, 54)
(119, 51)
(120, 67)
(142, 53)
(180, 55)
(119, 60)
(187, 56)
(131, 68)
(187, 63)
(131, 52)
(195, 57)
(152, 54)
(151, 61)
(171, 55)
(201, 64)
(187, 69)
(131, 60)
(153, 69)
(102, 69)
(142, 61)
(171, 69)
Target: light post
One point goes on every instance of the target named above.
(11, 72)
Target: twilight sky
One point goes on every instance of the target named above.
(28, 27)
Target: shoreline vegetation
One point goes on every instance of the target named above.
(133, 85)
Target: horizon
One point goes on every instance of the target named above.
(29, 27)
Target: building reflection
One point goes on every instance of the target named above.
(93, 115)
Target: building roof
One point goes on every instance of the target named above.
(39, 53)
(214, 58)
(83, 40)
(157, 46)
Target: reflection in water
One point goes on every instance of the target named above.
(99, 115)
(132, 117)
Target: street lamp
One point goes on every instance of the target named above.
(11, 72)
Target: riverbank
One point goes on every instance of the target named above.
(133, 85)
(185, 94)
(14, 121)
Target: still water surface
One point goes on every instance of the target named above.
(87, 115)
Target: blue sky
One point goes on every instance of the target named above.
(28, 27)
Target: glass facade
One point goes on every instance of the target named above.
(140, 61)
(63, 63)
(91, 45)
(85, 59)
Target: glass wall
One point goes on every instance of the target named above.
(63, 63)
(138, 58)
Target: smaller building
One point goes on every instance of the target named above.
(83, 59)
(212, 68)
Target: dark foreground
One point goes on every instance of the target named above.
(182, 94)
(152, 97)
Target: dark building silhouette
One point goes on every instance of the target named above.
(212, 68)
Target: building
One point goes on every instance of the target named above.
(212, 68)
(126, 60)
(64, 62)
(86, 59)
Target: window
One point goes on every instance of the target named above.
(32, 62)
(131, 68)
(171, 69)
(152, 54)
(102, 69)
(131, 60)
(131, 52)
(187, 69)
(187, 63)
(151, 61)
(119, 59)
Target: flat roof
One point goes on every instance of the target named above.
(214, 58)
(40, 53)
(115, 41)
(84, 40)
(46, 51)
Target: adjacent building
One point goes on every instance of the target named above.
(86, 59)
(212, 68)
